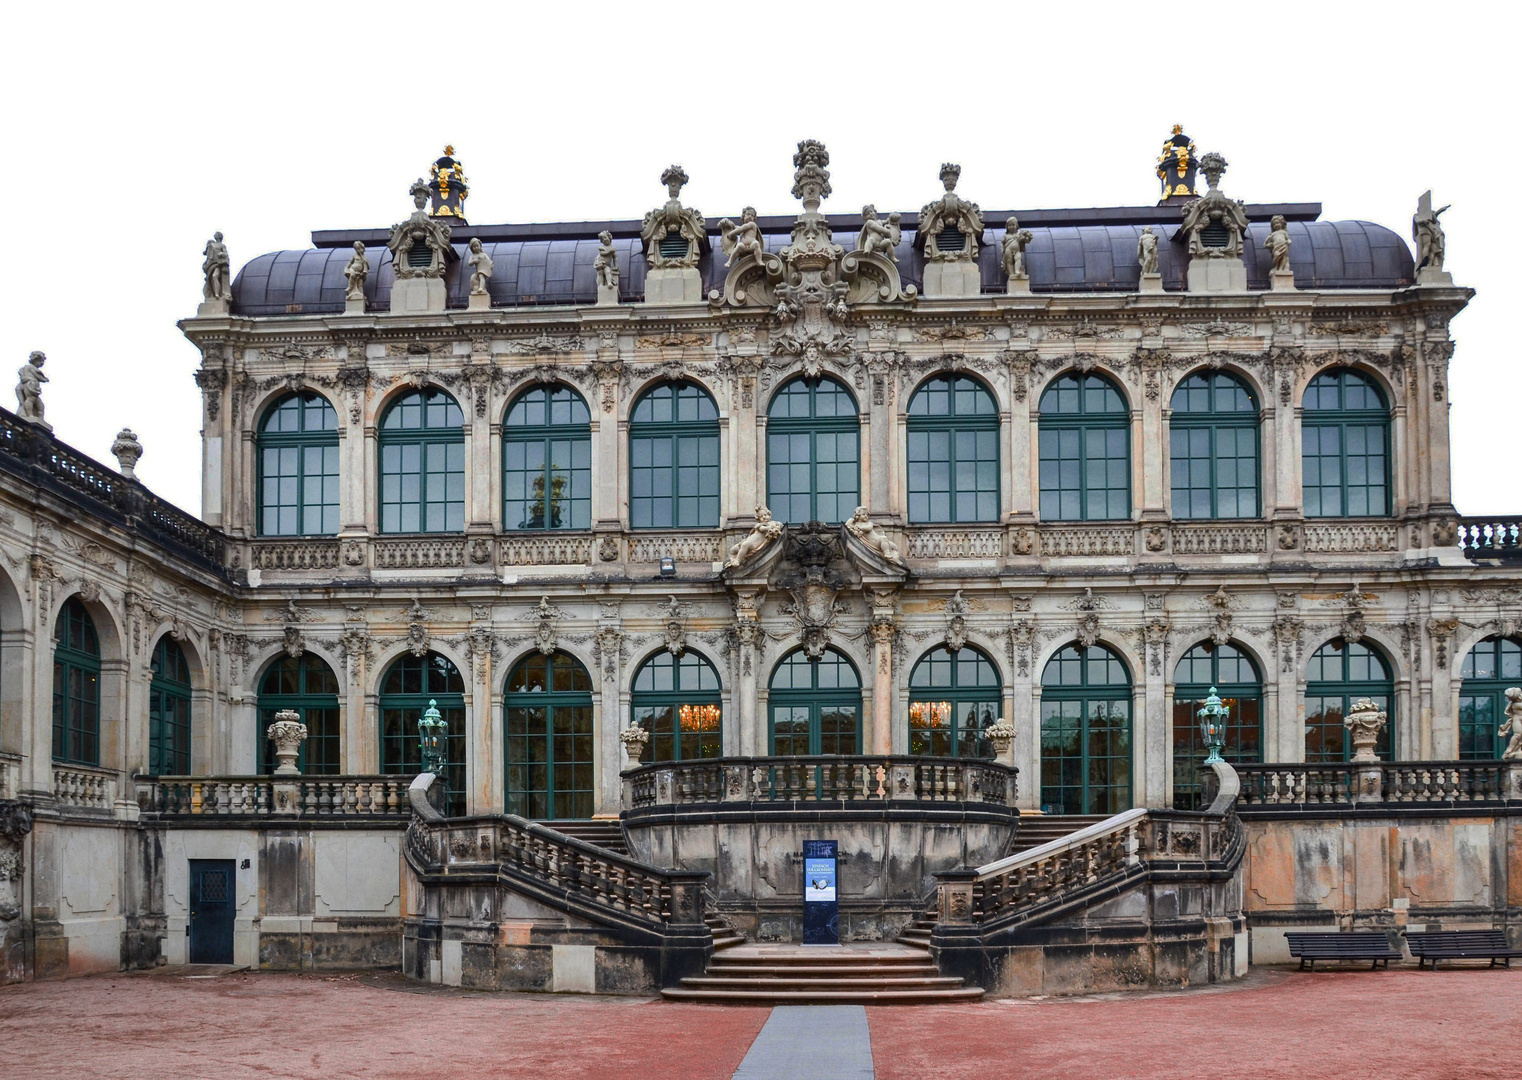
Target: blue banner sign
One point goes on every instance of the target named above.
(821, 903)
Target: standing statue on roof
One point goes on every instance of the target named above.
(1431, 244)
(357, 271)
(29, 380)
(1146, 250)
(606, 263)
(1015, 239)
(878, 237)
(216, 269)
(1278, 244)
(741, 241)
(480, 268)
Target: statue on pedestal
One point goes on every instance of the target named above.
(1278, 244)
(878, 237)
(216, 269)
(357, 270)
(29, 380)
(606, 263)
(762, 535)
(1431, 244)
(1146, 250)
(1015, 239)
(480, 268)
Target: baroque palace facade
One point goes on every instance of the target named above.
(818, 485)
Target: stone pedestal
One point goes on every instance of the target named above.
(1018, 286)
(354, 306)
(1217, 275)
(1430, 276)
(952, 279)
(1281, 280)
(412, 295)
(607, 295)
(480, 302)
(674, 285)
(1151, 283)
(224, 307)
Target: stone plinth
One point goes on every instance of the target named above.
(952, 279)
(480, 302)
(354, 306)
(607, 295)
(674, 285)
(1217, 275)
(1429, 276)
(1151, 283)
(1018, 286)
(1281, 280)
(411, 295)
(224, 307)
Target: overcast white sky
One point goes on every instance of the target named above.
(133, 131)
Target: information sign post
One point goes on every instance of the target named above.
(821, 907)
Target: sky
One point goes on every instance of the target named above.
(133, 131)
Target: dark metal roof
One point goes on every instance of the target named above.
(1099, 256)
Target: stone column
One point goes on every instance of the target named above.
(746, 738)
(883, 630)
(485, 762)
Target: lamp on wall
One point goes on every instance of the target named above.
(433, 731)
(1213, 726)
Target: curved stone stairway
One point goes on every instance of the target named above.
(880, 973)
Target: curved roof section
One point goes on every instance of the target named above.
(1081, 258)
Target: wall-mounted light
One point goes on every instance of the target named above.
(668, 566)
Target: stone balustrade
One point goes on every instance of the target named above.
(1301, 786)
(1491, 538)
(173, 797)
(78, 787)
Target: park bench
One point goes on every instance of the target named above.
(1438, 945)
(1372, 946)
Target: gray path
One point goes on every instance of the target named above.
(811, 1042)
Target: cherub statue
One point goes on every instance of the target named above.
(1431, 244)
(1146, 250)
(357, 271)
(1015, 239)
(606, 263)
(480, 268)
(29, 380)
(1278, 244)
(761, 536)
(216, 268)
(1513, 725)
(741, 241)
(878, 237)
(865, 529)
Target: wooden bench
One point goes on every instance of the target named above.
(1372, 946)
(1438, 945)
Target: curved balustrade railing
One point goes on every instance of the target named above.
(1301, 786)
(172, 797)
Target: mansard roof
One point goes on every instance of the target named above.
(1072, 251)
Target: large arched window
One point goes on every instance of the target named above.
(815, 705)
(1491, 666)
(1213, 448)
(1345, 447)
(547, 711)
(953, 452)
(813, 453)
(169, 711)
(676, 699)
(307, 686)
(76, 686)
(1085, 449)
(1338, 675)
(674, 459)
(298, 467)
(410, 685)
(1085, 732)
(1231, 673)
(547, 461)
(953, 698)
(422, 464)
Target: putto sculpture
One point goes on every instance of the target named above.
(606, 263)
(673, 234)
(878, 237)
(1513, 725)
(1278, 243)
(762, 535)
(1013, 248)
(216, 270)
(1146, 251)
(742, 241)
(865, 529)
(29, 380)
(480, 268)
(357, 270)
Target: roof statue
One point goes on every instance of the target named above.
(1146, 251)
(742, 241)
(606, 263)
(878, 237)
(1013, 248)
(950, 227)
(480, 268)
(29, 380)
(356, 271)
(448, 189)
(1278, 243)
(216, 268)
(665, 228)
(1431, 243)
(1176, 167)
(420, 245)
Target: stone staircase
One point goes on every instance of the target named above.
(883, 973)
(608, 835)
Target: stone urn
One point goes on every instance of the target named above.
(1002, 737)
(287, 733)
(634, 740)
(1364, 723)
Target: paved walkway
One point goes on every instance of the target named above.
(1445, 1025)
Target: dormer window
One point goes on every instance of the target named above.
(950, 239)
(674, 245)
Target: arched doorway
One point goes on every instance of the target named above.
(1234, 677)
(410, 684)
(547, 716)
(1085, 732)
(815, 705)
(953, 698)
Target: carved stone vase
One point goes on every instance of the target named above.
(634, 740)
(1364, 722)
(287, 733)
(1002, 736)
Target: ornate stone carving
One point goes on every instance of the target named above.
(480, 268)
(1012, 249)
(1513, 725)
(865, 529)
(1146, 251)
(29, 380)
(609, 645)
(1213, 223)
(1427, 231)
(15, 824)
(356, 647)
(420, 245)
(127, 450)
(1022, 635)
(634, 740)
(216, 271)
(762, 535)
(814, 586)
(742, 241)
(1288, 634)
(1441, 631)
(293, 642)
(1364, 722)
(674, 631)
(546, 637)
(675, 221)
(951, 226)
(356, 271)
(878, 237)
(211, 382)
(418, 636)
(606, 264)
(287, 733)
(1220, 602)
(1154, 636)
(1278, 243)
(957, 609)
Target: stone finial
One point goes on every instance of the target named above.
(1513, 725)
(419, 192)
(287, 733)
(950, 174)
(1001, 736)
(1213, 165)
(634, 740)
(29, 380)
(1364, 722)
(675, 178)
(811, 175)
(127, 450)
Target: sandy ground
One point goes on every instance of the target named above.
(1344, 1024)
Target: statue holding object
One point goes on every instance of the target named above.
(878, 237)
(741, 241)
(762, 535)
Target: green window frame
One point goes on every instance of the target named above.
(76, 686)
(1491, 666)
(1337, 675)
(1235, 678)
(298, 467)
(1213, 448)
(307, 686)
(422, 464)
(814, 706)
(674, 458)
(953, 698)
(411, 684)
(676, 699)
(169, 711)
(953, 452)
(1083, 437)
(547, 720)
(1345, 446)
(813, 452)
(1086, 740)
(547, 461)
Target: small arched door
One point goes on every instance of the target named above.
(547, 716)
(815, 705)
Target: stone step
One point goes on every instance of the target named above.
(926, 996)
(881, 956)
(721, 968)
(918, 938)
(727, 941)
(714, 982)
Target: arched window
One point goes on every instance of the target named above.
(298, 467)
(410, 684)
(1491, 666)
(953, 699)
(1235, 678)
(169, 711)
(676, 699)
(307, 686)
(1084, 436)
(815, 705)
(1338, 675)
(1345, 447)
(422, 464)
(1213, 444)
(547, 710)
(76, 686)
(813, 453)
(1085, 732)
(953, 452)
(674, 459)
(547, 461)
